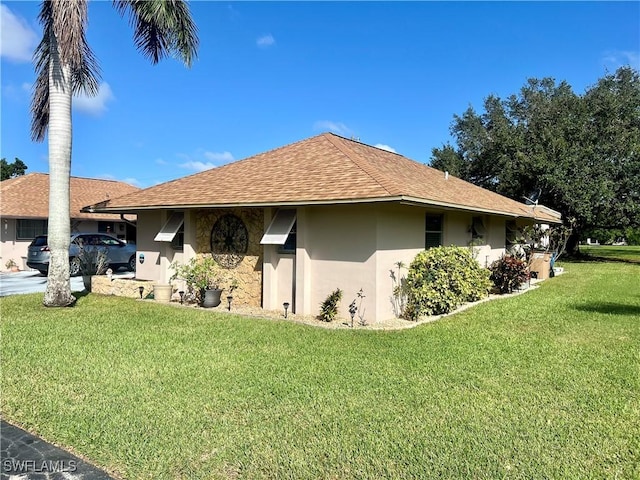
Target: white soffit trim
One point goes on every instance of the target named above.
(170, 228)
(279, 228)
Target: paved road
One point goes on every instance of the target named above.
(30, 282)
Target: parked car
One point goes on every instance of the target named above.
(119, 253)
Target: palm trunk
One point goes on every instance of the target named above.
(58, 292)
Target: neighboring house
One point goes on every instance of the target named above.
(295, 223)
(24, 209)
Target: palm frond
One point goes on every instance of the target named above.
(67, 21)
(41, 58)
(161, 28)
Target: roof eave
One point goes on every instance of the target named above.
(295, 203)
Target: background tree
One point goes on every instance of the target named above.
(65, 65)
(11, 170)
(580, 153)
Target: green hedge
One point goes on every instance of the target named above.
(443, 278)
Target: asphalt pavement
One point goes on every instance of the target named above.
(28, 281)
(24, 456)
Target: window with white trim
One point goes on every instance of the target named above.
(433, 231)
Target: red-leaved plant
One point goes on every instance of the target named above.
(508, 273)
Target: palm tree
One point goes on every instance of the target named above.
(66, 65)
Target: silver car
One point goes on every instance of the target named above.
(119, 254)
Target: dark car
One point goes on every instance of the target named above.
(119, 254)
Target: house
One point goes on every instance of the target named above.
(295, 223)
(25, 210)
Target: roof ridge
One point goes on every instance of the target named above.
(360, 162)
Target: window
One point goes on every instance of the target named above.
(511, 233)
(105, 227)
(29, 229)
(178, 241)
(170, 229)
(282, 231)
(477, 229)
(290, 243)
(433, 234)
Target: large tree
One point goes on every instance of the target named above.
(65, 65)
(12, 170)
(578, 154)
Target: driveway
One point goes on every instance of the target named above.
(30, 282)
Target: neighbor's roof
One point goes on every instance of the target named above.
(325, 169)
(27, 196)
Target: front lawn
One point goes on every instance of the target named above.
(541, 385)
(630, 253)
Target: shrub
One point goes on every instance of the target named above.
(201, 273)
(92, 260)
(443, 278)
(329, 308)
(508, 273)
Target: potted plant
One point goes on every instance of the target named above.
(202, 277)
(91, 261)
(12, 265)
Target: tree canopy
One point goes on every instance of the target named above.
(580, 154)
(11, 170)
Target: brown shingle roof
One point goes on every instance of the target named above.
(323, 169)
(27, 196)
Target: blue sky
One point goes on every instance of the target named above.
(268, 74)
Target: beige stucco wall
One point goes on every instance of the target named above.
(350, 247)
(357, 246)
(149, 223)
(10, 248)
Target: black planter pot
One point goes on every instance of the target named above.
(211, 298)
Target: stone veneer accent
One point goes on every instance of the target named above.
(121, 287)
(248, 274)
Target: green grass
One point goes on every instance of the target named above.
(541, 385)
(630, 253)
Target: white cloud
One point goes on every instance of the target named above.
(197, 166)
(160, 161)
(265, 41)
(219, 157)
(385, 147)
(94, 105)
(129, 180)
(335, 127)
(618, 58)
(132, 181)
(204, 160)
(17, 39)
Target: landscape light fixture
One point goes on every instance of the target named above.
(181, 292)
(352, 311)
(286, 307)
(229, 299)
(141, 289)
